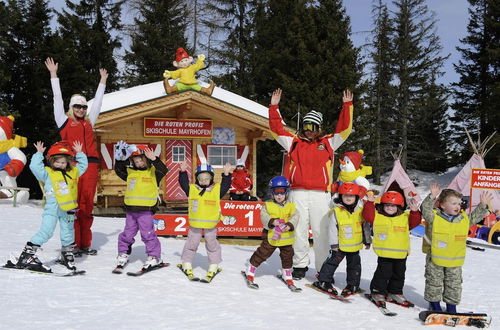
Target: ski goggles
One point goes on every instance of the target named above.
(310, 127)
(279, 191)
(80, 106)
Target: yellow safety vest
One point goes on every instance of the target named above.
(284, 213)
(66, 191)
(204, 211)
(391, 236)
(448, 243)
(350, 229)
(142, 189)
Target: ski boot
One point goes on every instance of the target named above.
(451, 308)
(435, 306)
(121, 260)
(299, 273)
(349, 290)
(326, 286)
(67, 258)
(213, 269)
(378, 299)
(151, 262)
(29, 260)
(78, 252)
(399, 299)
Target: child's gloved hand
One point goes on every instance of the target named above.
(119, 151)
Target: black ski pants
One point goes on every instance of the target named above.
(332, 263)
(389, 277)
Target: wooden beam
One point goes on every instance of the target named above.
(181, 112)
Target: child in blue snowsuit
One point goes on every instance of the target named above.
(60, 183)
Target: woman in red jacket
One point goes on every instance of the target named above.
(77, 125)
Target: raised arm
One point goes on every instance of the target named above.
(59, 114)
(344, 124)
(276, 124)
(93, 114)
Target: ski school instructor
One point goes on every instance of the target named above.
(311, 155)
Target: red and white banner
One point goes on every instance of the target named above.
(485, 178)
(171, 127)
(238, 219)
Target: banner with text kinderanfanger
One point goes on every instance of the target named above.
(171, 127)
(238, 219)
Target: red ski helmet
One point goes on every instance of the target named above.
(140, 150)
(392, 197)
(350, 188)
(61, 148)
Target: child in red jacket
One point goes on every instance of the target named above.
(241, 183)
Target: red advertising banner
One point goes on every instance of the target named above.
(171, 127)
(238, 219)
(485, 178)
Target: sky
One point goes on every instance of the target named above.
(452, 18)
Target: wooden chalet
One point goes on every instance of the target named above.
(185, 125)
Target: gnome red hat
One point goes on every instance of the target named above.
(356, 157)
(7, 124)
(180, 54)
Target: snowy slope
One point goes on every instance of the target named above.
(164, 299)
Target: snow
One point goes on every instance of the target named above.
(166, 299)
(147, 92)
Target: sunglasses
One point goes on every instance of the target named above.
(80, 107)
(310, 127)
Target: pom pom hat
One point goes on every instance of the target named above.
(313, 117)
(355, 157)
(180, 54)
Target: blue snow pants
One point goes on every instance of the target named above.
(52, 214)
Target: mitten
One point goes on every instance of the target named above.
(167, 74)
(278, 230)
(120, 149)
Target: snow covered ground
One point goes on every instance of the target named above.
(165, 299)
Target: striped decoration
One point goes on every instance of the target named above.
(173, 191)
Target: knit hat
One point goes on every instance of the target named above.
(313, 117)
(180, 54)
(7, 124)
(77, 99)
(356, 157)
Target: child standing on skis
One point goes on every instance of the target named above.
(446, 231)
(60, 184)
(347, 234)
(204, 212)
(391, 242)
(279, 218)
(143, 175)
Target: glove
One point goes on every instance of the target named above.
(201, 57)
(121, 150)
(278, 230)
(167, 74)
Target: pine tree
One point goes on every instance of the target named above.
(234, 21)
(26, 41)
(416, 63)
(373, 126)
(158, 30)
(477, 94)
(87, 44)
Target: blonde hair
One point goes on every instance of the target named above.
(53, 158)
(447, 193)
(71, 114)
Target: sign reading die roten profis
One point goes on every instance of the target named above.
(171, 127)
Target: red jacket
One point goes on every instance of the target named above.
(311, 162)
(240, 181)
(80, 130)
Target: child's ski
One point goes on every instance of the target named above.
(333, 296)
(208, 279)
(292, 287)
(478, 320)
(11, 266)
(144, 271)
(380, 305)
(406, 304)
(191, 276)
(118, 269)
(250, 284)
